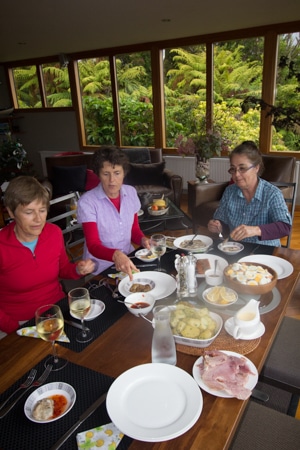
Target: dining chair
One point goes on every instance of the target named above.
(264, 428)
(64, 218)
(289, 191)
(282, 366)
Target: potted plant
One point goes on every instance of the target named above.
(13, 160)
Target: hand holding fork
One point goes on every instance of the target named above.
(36, 383)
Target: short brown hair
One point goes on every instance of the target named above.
(250, 149)
(112, 154)
(24, 190)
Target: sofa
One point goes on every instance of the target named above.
(73, 172)
(203, 199)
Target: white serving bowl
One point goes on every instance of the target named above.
(231, 248)
(46, 391)
(134, 303)
(201, 343)
(142, 255)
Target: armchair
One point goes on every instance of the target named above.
(203, 199)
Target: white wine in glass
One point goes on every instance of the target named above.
(49, 322)
(158, 247)
(80, 304)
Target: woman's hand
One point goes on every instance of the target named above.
(123, 263)
(85, 266)
(145, 242)
(215, 226)
(243, 231)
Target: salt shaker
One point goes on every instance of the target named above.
(191, 274)
(163, 344)
(181, 279)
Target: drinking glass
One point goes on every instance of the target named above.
(80, 304)
(158, 248)
(50, 326)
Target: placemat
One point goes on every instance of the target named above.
(18, 432)
(113, 312)
(223, 342)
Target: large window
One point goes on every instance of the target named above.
(286, 121)
(149, 95)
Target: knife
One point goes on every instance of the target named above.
(74, 324)
(81, 419)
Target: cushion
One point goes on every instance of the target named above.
(145, 174)
(68, 179)
(138, 155)
(91, 180)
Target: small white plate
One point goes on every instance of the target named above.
(140, 213)
(229, 324)
(207, 242)
(231, 248)
(97, 308)
(48, 390)
(251, 383)
(170, 242)
(141, 255)
(154, 402)
(219, 305)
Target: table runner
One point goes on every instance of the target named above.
(18, 432)
(113, 312)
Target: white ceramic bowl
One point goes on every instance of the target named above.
(231, 248)
(46, 391)
(213, 278)
(142, 255)
(202, 343)
(139, 303)
(219, 301)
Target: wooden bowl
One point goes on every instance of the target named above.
(241, 285)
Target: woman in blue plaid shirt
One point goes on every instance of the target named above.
(253, 209)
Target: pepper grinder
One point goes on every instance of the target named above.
(181, 278)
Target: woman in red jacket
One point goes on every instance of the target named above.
(32, 255)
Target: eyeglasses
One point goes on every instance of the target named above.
(233, 170)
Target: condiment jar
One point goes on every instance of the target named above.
(181, 278)
(191, 274)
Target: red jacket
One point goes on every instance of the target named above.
(29, 280)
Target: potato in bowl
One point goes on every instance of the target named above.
(250, 278)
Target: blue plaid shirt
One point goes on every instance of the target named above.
(267, 206)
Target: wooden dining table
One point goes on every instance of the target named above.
(127, 343)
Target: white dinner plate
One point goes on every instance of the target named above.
(222, 263)
(46, 391)
(164, 284)
(154, 402)
(205, 239)
(251, 383)
(97, 308)
(282, 267)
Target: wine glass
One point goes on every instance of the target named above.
(50, 326)
(158, 247)
(80, 304)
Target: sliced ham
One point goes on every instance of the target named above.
(228, 373)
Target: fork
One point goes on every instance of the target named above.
(36, 383)
(24, 385)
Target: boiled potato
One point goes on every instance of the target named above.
(193, 323)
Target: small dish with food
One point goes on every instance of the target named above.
(170, 242)
(220, 296)
(192, 243)
(145, 255)
(50, 402)
(158, 207)
(231, 248)
(139, 303)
